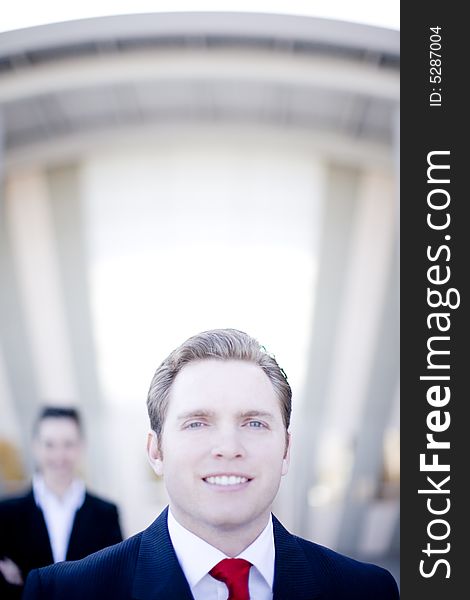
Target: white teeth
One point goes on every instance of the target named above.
(226, 480)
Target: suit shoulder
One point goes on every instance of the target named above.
(107, 558)
(13, 504)
(346, 573)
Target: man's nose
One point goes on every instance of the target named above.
(228, 444)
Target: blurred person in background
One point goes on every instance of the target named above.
(219, 408)
(57, 519)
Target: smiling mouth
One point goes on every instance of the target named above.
(226, 480)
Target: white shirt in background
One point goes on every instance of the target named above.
(59, 513)
(197, 558)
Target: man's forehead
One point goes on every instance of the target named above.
(213, 385)
(57, 424)
(213, 376)
(208, 369)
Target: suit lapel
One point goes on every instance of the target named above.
(39, 538)
(81, 527)
(294, 576)
(158, 574)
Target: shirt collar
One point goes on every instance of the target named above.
(74, 496)
(197, 557)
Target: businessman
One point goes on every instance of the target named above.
(219, 409)
(58, 518)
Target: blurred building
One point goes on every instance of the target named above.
(168, 173)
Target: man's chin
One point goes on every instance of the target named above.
(60, 477)
(229, 520)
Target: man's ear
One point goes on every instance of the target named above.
(286, 459)
(154, 453)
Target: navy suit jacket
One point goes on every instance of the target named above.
(24, 537)
(145, 567)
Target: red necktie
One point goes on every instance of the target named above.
(234, 573)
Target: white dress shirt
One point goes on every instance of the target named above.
(59, 513)
(197, 558)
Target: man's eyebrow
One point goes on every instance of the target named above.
(208, 414)
(195, 413)
(257, 413)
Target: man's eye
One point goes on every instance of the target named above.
(256, 424)
(195, 425)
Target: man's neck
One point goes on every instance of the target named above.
(58, 487)
(229, 539)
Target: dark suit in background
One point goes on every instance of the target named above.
(145, 567)
(24, 538)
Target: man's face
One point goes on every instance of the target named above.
(57, 449)
(223, 447)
